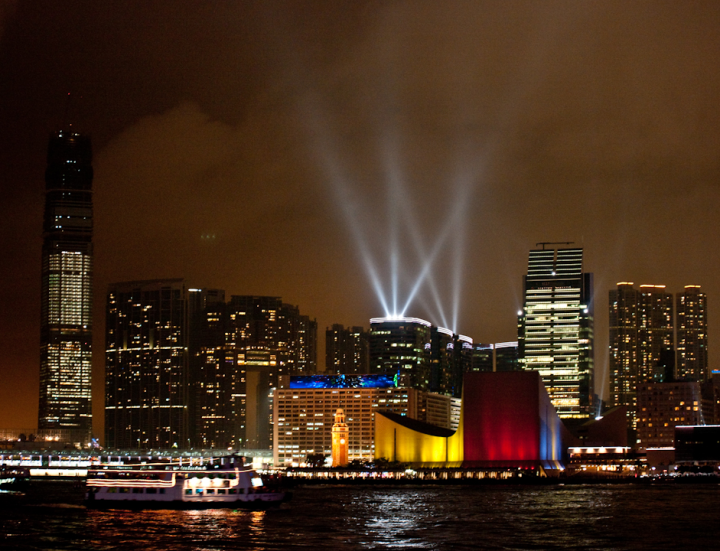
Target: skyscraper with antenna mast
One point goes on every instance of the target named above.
(555, 327)
(67, 278)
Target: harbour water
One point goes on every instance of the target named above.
(618, 516)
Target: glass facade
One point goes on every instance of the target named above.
(501, 356)
(424, 356)
(67, 277)
(555, 328)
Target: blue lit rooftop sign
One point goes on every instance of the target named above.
(344, 381)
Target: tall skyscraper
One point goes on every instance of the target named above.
(267, 323)
(186, 368)
(624, 354)
(306, 345)
(67, 277)
(146, 365)
(692, 340)
(555, 328)
(346, 350)
(401, 347)
(423, 356)
(450, 358)
(240, 350)
(642, 338)
(656, 334)
(212, 369)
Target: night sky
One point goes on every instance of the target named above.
(287, 148)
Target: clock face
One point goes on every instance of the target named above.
(342, 440)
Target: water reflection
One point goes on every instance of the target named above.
(257, 526)
(396, 519)
(197, 530)
(429, 517)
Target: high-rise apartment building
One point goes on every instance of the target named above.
(146, 365)
(642, 337)
(624, 375)
(692, 340)
(306, 345)
(347, 350)
(212, 368)
(555, 328)
(662, 407)
(655, 334)
(241, 350)
(67, 278)
(266, 323)
(186, 368)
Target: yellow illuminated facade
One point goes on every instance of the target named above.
(396, 441)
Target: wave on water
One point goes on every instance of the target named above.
(57, 505)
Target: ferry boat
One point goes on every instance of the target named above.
(231, 486)
(12, 478)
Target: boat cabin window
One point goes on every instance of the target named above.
(137, 490)
(232, 490)
(151, 490)
(124, 490)
(222, 491)
(188, 492)
(210, 491)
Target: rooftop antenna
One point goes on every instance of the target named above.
(67, 121)
(543, 243)
(66, 116)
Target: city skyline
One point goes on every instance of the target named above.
(234, 144)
